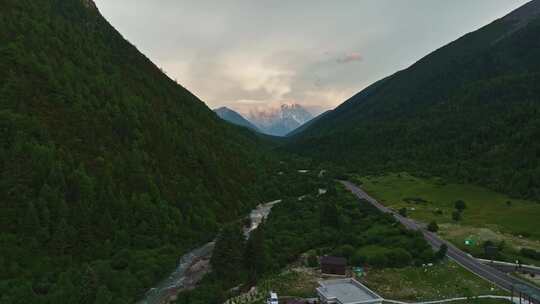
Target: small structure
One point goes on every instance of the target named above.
(491, 251)
(346, 291)
(358, 271)
(469, 241)
(273, 299)
(333, 265)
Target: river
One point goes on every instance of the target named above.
(195, 264)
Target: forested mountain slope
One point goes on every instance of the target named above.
(469, 111)
(108, 169)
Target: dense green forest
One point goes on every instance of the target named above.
(469, 111)
(109, 170)
(334, 223)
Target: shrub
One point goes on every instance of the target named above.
(378, 256)
(456, 216)
(313, 261)
(403, 212)
(427, 255)
(530, 253)
(399, 257)
(121, 260)
(378, 260)
(441, 253)
(460, 205)
(433, 227)
(347, 251)
(357, 258)
(370, 255)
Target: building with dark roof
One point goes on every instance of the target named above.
(333, 265)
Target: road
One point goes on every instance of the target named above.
(487, 272)
(511, 267)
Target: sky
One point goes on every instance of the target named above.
(255, 54)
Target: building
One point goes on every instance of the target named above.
(346, 291)
(273, 299)
(333, 265)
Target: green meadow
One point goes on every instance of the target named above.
(440, 281)
(484, 208)
(488, 215)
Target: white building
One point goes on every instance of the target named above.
(346, 291)
(273, 299)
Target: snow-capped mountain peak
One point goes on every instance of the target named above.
(280, 121)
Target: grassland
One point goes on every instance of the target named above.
(441, 281)
(489, 215)
(296, 282)
(482, 301)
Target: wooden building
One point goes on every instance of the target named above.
(333, 265)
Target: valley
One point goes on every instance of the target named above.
(118, 185)
(439, 281)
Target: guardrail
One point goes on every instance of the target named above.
(532, 267)
(509, 299)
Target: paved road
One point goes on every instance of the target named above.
(485, 271)
(511, 267)
(462, 299)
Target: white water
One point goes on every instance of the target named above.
(258, 214)
(185, 276)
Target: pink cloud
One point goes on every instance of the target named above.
(350, 57)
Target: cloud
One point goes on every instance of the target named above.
(350, 57)
(251, 102)
(234, 53)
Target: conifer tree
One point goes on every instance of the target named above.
(59, 242)
(30, 224)
(227, 260)
(256, 256)
(103, 296)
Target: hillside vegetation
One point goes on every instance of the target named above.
(469, 111)
(335, 223)
(109, 170)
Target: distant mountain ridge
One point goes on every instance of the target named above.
(235, 118)
(308, 124)
(282, 120)
(525, 13)
(468, 111)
